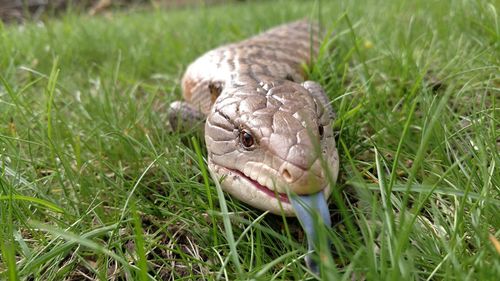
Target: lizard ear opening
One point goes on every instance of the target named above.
(321, 131)
(320, 97)
(215, 89)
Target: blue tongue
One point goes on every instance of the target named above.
(308, 208)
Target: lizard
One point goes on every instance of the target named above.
(268, 131)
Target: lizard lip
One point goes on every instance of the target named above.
(283, 197)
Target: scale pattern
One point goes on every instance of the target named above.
(256, 88)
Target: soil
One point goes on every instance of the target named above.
(33, 10)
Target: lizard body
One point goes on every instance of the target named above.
(255, 89)
(268, 132)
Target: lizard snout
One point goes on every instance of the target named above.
(302, 181)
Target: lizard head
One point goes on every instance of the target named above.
(269, 140)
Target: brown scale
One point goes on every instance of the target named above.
(273, 55)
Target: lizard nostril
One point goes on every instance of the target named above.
(287, 176)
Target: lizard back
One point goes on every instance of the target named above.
(277, 54)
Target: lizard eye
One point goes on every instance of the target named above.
(246, 139)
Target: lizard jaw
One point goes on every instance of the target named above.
(251, 192)
(283, 197)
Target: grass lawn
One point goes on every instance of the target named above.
(93, 184)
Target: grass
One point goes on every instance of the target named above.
(94, 185)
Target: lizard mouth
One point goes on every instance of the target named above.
(283, 197)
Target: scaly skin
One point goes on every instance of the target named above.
(252, 92)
